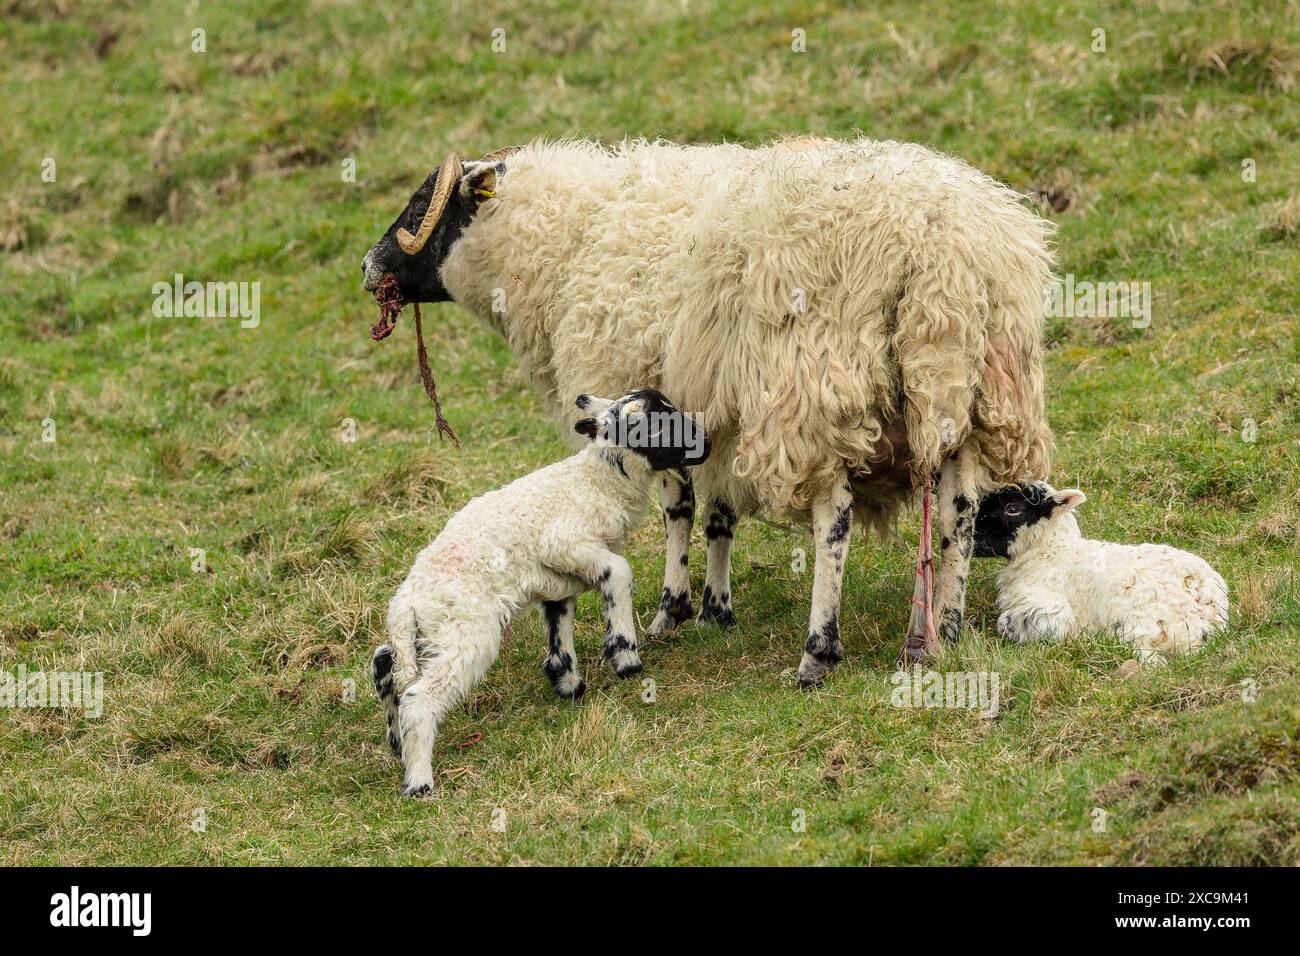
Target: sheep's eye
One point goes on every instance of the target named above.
(1015, 509)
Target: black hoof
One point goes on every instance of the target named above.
(421, 791)
(721, 616)
(631, 670)
(574, 694)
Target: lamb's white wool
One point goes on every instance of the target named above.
(1162, 600)
(846, 315)
(544, 538)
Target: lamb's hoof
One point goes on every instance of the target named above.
(621, 654)
(717, 614)
(415, 792)
(570, 687)
(813, 670)
(626, 667)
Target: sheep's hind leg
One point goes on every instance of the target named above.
(719, 528)
(832, 519)
(677, 496)
(958, 506)
(561, 665)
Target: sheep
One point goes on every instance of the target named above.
(1056, 582)
(851, 318)
(544, 538)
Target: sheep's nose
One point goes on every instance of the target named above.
(369, 282)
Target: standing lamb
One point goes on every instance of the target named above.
(851, 318)
(1161, 600)
(546, 537)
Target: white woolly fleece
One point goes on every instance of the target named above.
(809, 298)
(1161, 600)
(499, 554)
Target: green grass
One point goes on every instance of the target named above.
(226, 689)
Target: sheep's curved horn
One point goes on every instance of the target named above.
(448, 177)
(499, 154)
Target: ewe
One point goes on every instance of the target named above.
(1161, 600)
(852, 318)
(546, 537)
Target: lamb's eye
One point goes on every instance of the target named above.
(1014, 510)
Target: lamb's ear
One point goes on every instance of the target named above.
(479, 182)
(590, 403)
(586, 426)
(1063, 502)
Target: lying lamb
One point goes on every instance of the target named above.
(1057, 582)
(546, 537)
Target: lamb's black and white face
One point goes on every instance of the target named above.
(419, 275)
(647, 424)
(1005, 513)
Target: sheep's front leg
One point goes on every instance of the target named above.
(958, 506)
(832, 519)
(609, 573)
(561, 664)
(677, 497)
(719, 528)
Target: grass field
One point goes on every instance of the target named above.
(229, 733)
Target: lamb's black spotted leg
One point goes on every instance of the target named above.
(832, 519)
(958, 506)
(719, 528)
(612, 576)
(561, 664)
(381, 671)
(677, 497)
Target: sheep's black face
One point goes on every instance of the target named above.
(1007, 512)
(418, 275)
(647, 424)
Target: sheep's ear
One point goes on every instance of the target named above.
(586, 426)
(590, 403)
(479, 182)
(1063, 502)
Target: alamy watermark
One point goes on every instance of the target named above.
(958, 690)
(209, 300)
(1069, 298)
(70, 690)
(75, 908)
(656, 430)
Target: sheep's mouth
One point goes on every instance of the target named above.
(389, 296)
